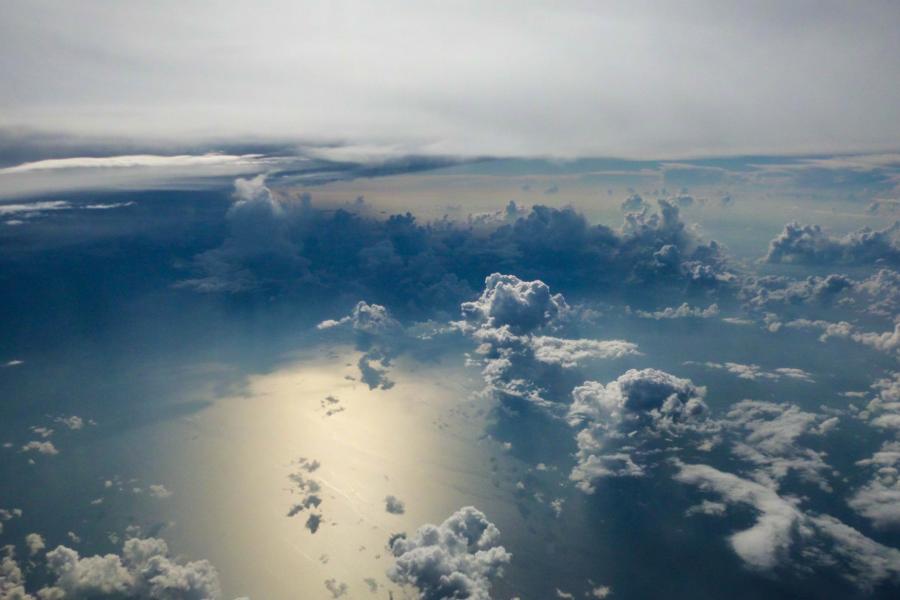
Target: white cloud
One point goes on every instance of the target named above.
(523, 306)
(456, 559)
(682, 312)
(143, 570)
(781, 526)
(35, 543)
(754, 372)
(353, 76)
(637, 404)
(45, 447)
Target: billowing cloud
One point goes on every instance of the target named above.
(523, 306)
(520, 363)
(456, 559)
(144, 569)
(810, 244)
(645, 401)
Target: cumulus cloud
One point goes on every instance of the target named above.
(379, 336)
(277, 245)
(508, 321)
(144, 569)
(45, 447)
(648, 401)
(455, 559)
(774, 292)
(523, 306)
(887, 341)
(634, 203)
(12, 579)
(810, 244)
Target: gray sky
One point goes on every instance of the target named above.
(630, 79)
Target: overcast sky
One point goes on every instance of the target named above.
(629, 79)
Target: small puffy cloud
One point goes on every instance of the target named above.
(634, 203)
(394, 505)
(35, 543)
(336, 588)
(159, 491)
(41, 447)
(810, 244)
(73, 422)
(456, 559)
(379, 336)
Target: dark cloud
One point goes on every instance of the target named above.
(278, 246)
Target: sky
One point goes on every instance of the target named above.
(433, 301)
(624, 79)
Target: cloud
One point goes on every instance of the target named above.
(143, 570)
(279, 246)
(456, 559)
(523, 306)
(378, 335)
(755, 372)
(568, 353)
(817, 541)
(645, 402)
(682, 312)
(131, 161)
(810, 244)
(159, 491)
(520, 364)
(773, 292)
(793, 89)
(394, 505)
(35, 543)
(45, 447)
(12, 580)
(633, 203)
(888, 341)
(769, 440)
(879, 500)
(766, 543)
